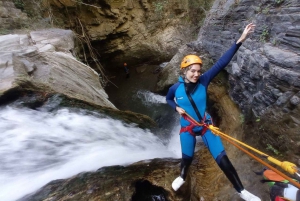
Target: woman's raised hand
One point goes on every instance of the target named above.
(248, 29)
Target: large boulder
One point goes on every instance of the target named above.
(44, 59)
(144, 180)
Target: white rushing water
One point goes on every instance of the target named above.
(148, 98)
(37, 147)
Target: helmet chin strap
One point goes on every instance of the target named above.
(185, 79)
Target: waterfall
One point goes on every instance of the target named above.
(38, 146)
(148, 98)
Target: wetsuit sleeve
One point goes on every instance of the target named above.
(220, 64)
(171, 95)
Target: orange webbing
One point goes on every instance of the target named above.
(263, 162)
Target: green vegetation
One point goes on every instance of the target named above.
(264, 35)
(278, 2)
(258, 9)
(19, 4)
(4, 31)
(266, 10)
(198, 10)
(242, 118)
(275, 151)
(31, 8)
(159, 6)
(275, 42)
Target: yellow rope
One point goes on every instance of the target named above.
(287, 166)
(263, 162)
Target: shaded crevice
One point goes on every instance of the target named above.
(25, 98)
(9, 96)
(145, 191)
(213, 111)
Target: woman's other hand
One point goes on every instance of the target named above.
(180, 110)
(248, 29)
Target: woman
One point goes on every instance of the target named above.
(188, 95)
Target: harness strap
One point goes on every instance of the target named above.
(190, 127)
(203, 131)
(187, 129)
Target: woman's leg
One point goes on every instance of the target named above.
(216, 148)
(188, 143)
(184, 166)
(230, 172)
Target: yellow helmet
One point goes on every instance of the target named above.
(189, 60)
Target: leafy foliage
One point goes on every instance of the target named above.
(265, 34)
(271, 148)
(278, 2)
(19, 4)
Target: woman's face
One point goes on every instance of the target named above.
(193, 73)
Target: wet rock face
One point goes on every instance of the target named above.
(264, 75)
(145, 180)
(10, 16)
(133, 31)
(264, 72)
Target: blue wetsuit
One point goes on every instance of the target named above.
(199, 95)
(177, 96)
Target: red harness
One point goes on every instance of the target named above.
(190, 127)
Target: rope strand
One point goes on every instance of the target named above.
(287, 166)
